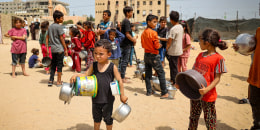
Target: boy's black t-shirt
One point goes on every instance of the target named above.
(162, 33)
(104, 94)
(125, 27)
(37, 25)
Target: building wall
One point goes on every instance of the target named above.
(75, 19)
(29, 8)
(6, 23)
(141, 9)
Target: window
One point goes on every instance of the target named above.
(159, 12)
(117, 3)
(138, 2)
(138, 11)
(116, 11)
(144, 2)
(151, 2)
(144, 12)
(159, 2)
(151, 12)
(124, 3)
(103, 3)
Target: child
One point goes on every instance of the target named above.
(76, 48)
(42, 41)
(105, 71)
(35, 61)
(150, 43)
(183, 59)
(82, 31)
(127, 42)
(211, 65)
(174, 44)
(132, 47)
(68, 44)
(105, 24)
(115, 37)
(89, 43)
(18, 49)
(162, 31)
(58, 47)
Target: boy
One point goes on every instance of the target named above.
(127, 42)
(162, 31)
(105, 24)
(150, 43)
(58, 47)
(105, 71)
(174, 44)
(115, 37)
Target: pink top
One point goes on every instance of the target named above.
(185, 43)
(18, 46)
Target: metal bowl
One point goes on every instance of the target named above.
(46, 61)
(121, 112)
(246, 43)
(83, 54)
(67, 61)
(66, 92)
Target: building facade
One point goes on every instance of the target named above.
(141, 9)
(34, 8)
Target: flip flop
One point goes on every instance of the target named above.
(50, 83)
(244, 101)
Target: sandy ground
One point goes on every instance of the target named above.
(27, 103)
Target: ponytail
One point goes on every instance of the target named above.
(213, 37)
(222, 45)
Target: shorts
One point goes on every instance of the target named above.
(104, 110)
(37, 65)
(21, 57)
(162, 52)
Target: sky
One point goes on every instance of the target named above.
(215, 9)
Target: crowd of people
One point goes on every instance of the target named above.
(111, 49)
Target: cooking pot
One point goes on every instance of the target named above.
(122, 112)
(46, 61)
(246, 43)
(171, 91)
(141, 67)
(66, 92)
(83, 54)
(67, 61)
(86, 86)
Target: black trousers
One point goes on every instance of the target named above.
(173, 63)
(254, 100)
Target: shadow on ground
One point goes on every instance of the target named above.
(242, 78)
(164, 128)
(220, 125)
(229, 98)
(137, 90)
(80, 126)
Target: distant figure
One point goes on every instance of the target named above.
(89, 43)
(76, 48)
(105, 24)
(34, 60)
(37, 29)
(32, 30)
(26, 26)
(162, 32)
(18, 49)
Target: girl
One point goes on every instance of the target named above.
(18, 49)
(183, 59)
(34, 61)
(211, 65)
(132, 47)
(42, 41)
(89, 43)
(76, 48)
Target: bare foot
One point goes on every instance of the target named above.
(48, 72)
(126, 81)
(13, 75)
(165, 95)
(25, 74)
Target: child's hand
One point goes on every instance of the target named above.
(203, 90)
(12, 38)
(177, 86)
(235, 47)
(73, 79)
(123, 98)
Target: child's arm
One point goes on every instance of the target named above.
(213, 84)
(163, 39)
(120, 35)
(47, 44)
(39, 60)
(156, 43)
(7, 35)
(18, 38)
(129, 36)
(88, 73)
(123, 98)
(64, 45)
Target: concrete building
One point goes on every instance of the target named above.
(34, 8)
(141, 9)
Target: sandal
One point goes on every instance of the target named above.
(50, 83)
(243, 101)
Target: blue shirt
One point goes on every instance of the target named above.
(104, 26)
(118, 39)
(32, 60)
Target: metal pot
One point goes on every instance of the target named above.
(246, 43)
(121, 112)
(66, 92)
(83, 54)
(67, 61)
(171, 91)
(46, 61)
(141, 67)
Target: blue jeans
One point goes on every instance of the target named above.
(131, 55)
(153, 61)
(162, 52)
(125, 53)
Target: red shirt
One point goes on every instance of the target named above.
(76, 44)
(18, 46)
(82, 40)
(208, 66)
(150, 41)
(89, 39)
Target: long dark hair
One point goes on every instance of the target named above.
(75, 32)
(213, 37)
